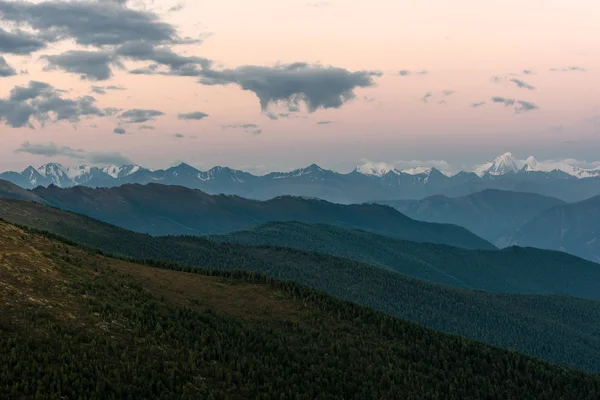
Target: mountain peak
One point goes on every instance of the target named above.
(503, 164)
(376, 169)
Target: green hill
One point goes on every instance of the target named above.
(560, 329)
(175, 210)
(79, 325)
(514, 269)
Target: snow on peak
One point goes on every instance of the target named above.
(119, 171)
(376, 169)
(417, 170)
(503, 164)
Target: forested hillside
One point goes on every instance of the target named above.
(514, 269)
(79, 325)
(175, 210)
(559, 329)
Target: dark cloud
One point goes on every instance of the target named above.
(177, 7)
(574, 68)
(119, 131)
(426, 96)
(52, 150)
(196, 115)
(503, 100)
(103, 89)
(405, 72)
(49, 150)
(42, 102)
(520, 106)
(179, 135)
(324, 122)
(252, 129)
(110, 111)
(293, 84)
(91, 65)
(108, 158)
(177, 64)
(275, 116)
(522, 84)
(145, 127)
(5, 69)
(88, 23)
(244, 126)
(19, 42)
(525, 106)
(448, 92)
(136, 116)
(528, 72)
(479, 104)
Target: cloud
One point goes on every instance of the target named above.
(244, 126)
(496, 79)
(479, 104)
(91, 65)
(505, 101)
(178, 65)
(5, 69)
(136, 115)
(522, 84)
(293, 84)
(103, 89)
(176, 7)
(426, 96)
(525, 106)
(405, 72)
(196, 115)
(528, 72)
(448, 92)
(43, 102)
(115, 158)
(110, 111)
(146, 127)
(324, 122)
(567, 69)
(49, 150)
(252, 129)
(178, 135)
(88, 23)
(19, 42)
(119, 131)
(520, 106)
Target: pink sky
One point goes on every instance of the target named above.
(461, 44)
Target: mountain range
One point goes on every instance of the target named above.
(495, 215)
(561, 329)
(176, 210)
(368, 182)
(78, 324)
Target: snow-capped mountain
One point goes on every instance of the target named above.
(503, 164)
(368, 182)
(508, 164)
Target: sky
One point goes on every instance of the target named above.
(269, 85)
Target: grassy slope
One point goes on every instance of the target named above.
(77, 324)
(557, 328)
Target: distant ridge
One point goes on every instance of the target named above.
(369, 182)
(176, 210)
